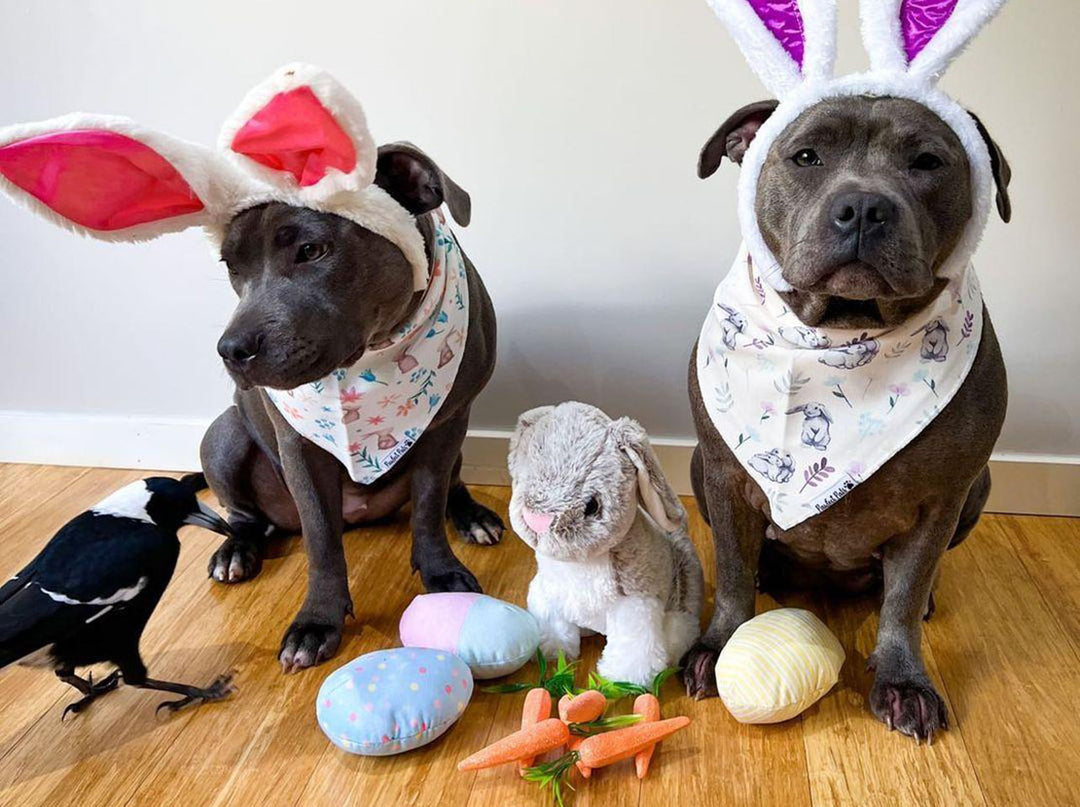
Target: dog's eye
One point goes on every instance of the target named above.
(927, 162)
(592, 507)
(311, 252)
(806, 158)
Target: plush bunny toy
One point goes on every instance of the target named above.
(604, 564)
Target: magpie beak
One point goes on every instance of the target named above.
(205, 517)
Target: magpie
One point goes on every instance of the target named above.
(89, 593)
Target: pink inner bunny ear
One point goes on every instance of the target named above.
(785, 22)
(920, 20)
(98, 179)
(295, 133)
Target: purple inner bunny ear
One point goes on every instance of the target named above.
(920, 20)
(785, 22)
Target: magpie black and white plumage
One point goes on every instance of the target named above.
(89, 593)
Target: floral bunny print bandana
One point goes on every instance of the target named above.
(812, 412)
(369, 415)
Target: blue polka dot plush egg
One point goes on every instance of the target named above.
(492, 636)
(392, 701)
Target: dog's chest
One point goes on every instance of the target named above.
(585, 590)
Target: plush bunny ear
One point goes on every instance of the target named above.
(656, 494)
(107, 177)
(784, 41)
(922, 37)
(520, 438)
(303, 132)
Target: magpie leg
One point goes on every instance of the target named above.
(88, 688)
(220, 687)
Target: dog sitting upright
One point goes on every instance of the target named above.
(362, 334)
(847, 386)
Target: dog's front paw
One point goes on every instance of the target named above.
(911, 707)
(477, 524)
(307, 643)
(699, 671)
(235, 560)
(448, 577)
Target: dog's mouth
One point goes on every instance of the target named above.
(854, 281)
(305, 364)
(841, 312)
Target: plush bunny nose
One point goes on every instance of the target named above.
(539, 523)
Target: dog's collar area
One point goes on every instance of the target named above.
(812, 411)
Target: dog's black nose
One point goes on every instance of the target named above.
(860, 211)
(240, 348)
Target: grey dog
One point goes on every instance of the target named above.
(908, 175)
(282, 335)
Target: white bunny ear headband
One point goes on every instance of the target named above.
(299, 137)
(791, 46)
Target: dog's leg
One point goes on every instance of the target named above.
(314, 480)
(973, 507)
(475, 523)
(697, 483)
(902, 695)
(433, 463)
(738, 532)
(225, 454)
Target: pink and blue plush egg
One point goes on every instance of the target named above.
(392, 701)
(492, 636)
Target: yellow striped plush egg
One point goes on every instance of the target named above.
(776, 665)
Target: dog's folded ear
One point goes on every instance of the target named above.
(418, 184)
(734, 136)
(1000, 167)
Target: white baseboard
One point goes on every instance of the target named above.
(61, 438)
(1023, 483)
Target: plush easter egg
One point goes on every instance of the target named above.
(493, 637)
(392, 701)
(777, 665)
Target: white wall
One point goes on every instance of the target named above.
(574, 124)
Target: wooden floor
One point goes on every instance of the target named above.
(1004, 649)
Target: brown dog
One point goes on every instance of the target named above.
(895, 526)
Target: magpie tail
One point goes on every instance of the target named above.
(194, 482)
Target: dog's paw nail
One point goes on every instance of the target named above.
(909, 707)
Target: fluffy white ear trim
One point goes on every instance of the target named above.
(110, 178)
(819, 26)
(303, 132)
(950, 40)
(765, 54)
(882, 37)
(370, 207)
(921, 37)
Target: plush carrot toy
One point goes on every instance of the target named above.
(648, 706)
(574, 745)
(533, 741)
(583, 707)
(537, 707)
(605, 749)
